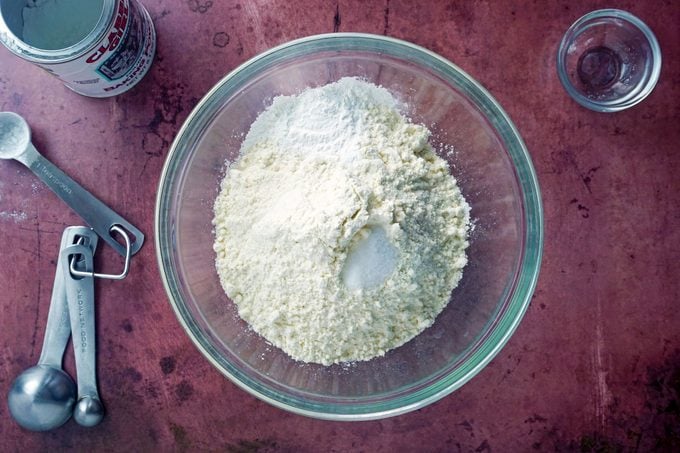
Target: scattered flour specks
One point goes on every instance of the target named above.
(16, 216)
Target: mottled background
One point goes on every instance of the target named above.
(594, 366)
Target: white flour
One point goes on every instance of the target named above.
(339, 233)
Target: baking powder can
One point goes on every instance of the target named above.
(98, 48)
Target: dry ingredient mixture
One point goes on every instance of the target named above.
(339, 233)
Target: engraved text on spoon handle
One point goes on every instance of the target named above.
(99, 216)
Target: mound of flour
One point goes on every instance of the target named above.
(339, 233)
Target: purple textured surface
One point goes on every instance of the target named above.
(595, 364)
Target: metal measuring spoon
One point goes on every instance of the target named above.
(15, 143)
(89, 410)
(42, 397)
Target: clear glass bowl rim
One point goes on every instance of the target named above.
(609, 106)
(532, 251)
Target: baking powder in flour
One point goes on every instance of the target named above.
(339, 233)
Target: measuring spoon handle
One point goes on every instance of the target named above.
(58, 327)
(80, 297)
(95, 213)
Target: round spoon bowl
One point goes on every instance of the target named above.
(41, 398)
(89, 411)
(15, 135)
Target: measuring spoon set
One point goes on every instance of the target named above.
(44, 396)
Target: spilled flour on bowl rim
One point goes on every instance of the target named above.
(339, 233)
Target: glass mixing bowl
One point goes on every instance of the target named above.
(486, 155)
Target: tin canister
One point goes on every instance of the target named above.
(109, 60)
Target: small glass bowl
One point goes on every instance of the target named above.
(609, 60)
